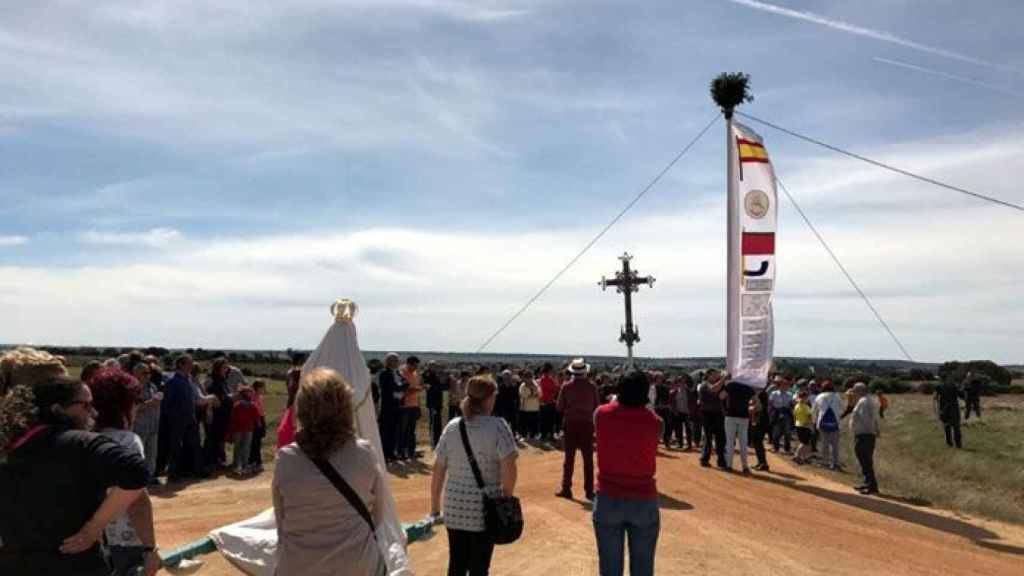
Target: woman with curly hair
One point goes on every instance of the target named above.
(319, 531)
(116, 396)
(28, 367)
(60, 485)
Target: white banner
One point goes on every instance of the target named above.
(753, 219)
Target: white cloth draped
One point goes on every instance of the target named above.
(251, 544)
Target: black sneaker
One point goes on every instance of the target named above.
(564, 494)
(705, 464)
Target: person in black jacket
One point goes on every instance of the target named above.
(436, 382)
(947, 405)
(60, 485)
(392, 390)
(214, 456)
(713, 418)
(760, 425)
(973, 386)
(507, 404)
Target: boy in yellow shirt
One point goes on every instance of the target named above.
(803, 422)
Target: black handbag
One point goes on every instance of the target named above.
(503, 516)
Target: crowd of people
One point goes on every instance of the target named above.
(623, 416)
(76, 455)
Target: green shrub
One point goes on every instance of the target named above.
(926, 387)
(993, 388)
(958, 370)
(890, 386)
(1015, 389)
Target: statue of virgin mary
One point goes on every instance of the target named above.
(251, 544)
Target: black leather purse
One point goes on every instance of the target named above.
(503, 516)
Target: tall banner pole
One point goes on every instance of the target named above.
(732, 261)
(752, 224)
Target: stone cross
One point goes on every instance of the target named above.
(626, 282)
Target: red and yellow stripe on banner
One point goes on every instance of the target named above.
(751, 151)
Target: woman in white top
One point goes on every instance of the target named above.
(318, 530)
(529, 407)
(494, 448)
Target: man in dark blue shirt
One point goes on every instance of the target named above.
(178, 421)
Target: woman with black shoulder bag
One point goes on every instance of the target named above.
(329, 489)
(475, 467)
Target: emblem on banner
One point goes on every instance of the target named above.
(756, 203)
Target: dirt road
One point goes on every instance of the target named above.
(787, 522)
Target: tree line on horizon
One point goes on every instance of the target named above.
(892, 377)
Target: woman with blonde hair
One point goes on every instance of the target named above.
(328, 486)
(470, 547)
(28, 367)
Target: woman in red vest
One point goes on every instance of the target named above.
(627, 496)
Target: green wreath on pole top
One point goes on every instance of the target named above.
(729, 90)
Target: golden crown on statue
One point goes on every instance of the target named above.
(344, 310)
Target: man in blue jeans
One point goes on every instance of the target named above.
(626, 506)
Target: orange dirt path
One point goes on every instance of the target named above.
(788, 522)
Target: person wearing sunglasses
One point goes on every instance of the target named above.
(61, 485)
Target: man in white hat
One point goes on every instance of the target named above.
(577, 402)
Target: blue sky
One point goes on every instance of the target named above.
(216, 173)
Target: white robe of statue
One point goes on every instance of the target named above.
(251, 544)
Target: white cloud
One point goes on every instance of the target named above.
(869, 33)
(939, 267)
(945, 295)
(6, 241)
(153, 238)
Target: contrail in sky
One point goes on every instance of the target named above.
(942, 74)
(869, 33)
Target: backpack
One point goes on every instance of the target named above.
(828, 422)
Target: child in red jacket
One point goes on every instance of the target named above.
(256, 453)
(244, 418)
